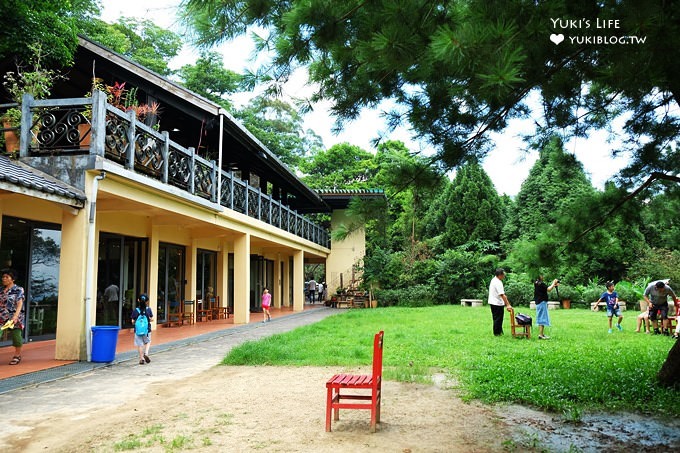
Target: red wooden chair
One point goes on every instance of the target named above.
(343, 382)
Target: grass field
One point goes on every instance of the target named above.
(581, 367)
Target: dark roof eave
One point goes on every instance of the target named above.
(232, 125)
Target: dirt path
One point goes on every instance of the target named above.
(183, 401)
(265, 409)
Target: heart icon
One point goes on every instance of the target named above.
(557, 38)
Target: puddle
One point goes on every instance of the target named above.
(598, 432)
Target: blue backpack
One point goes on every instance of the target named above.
(141, 323)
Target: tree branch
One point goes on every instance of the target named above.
(653, 177)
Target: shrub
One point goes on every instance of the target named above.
(519, 288)
(414, 296)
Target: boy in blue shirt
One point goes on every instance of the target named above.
(612, 299)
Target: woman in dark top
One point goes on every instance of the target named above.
(541, 299)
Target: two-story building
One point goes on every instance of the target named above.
(99, 207)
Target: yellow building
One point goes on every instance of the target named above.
(99, 207)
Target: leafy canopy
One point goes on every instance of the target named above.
(460, 69)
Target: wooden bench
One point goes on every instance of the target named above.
(603, 305)
(471, 302)
(517, 330)
(338, 384)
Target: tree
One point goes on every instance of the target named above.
(279, 126)
(554, 206)
(554, 182)
(138, 39)
(209, 78)
(410, 182)
(342, 166)
(468, 210)
(459, 70)
(51, 24)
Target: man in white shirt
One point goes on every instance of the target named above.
(497, 300)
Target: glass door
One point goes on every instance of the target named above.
(206, 274)
(43, 284)
(33, 250)
(121, 276)
(171, 280)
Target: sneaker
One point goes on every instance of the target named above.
(146, 358)
(618, 326)
(543, 337)
(609, 331)
(141, 362)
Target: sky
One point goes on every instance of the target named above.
(507, 165)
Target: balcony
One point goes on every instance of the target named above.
(59, 128)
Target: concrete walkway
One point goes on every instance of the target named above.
(84, 387)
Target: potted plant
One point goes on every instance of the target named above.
(567, 293)
(34, 79)
(11, 120)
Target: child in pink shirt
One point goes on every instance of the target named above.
(266, 302)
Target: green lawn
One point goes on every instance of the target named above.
(581, 367)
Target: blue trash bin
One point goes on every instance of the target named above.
(104, 341)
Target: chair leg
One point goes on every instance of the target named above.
(329, 400)
(374, 415)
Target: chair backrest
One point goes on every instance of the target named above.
(213, 302)
(377, 357)
(512, 317)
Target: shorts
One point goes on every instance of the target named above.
(660, 310)
(17, 339)
(611, 311)
(141, 340)
(265, 307)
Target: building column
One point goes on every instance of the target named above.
(285, 300)
(298, 281)
(277, 281)
(154, 246)
(242, 279)
(222, 289)
(190, 274)
(71, 343)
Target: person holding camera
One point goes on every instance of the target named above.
(541, 290)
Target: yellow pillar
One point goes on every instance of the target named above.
(277, 281)
(71, 341)
(242, 279)
(286, 281)
(298, 281)
(154, 246)
(190, 275)
(222, 273)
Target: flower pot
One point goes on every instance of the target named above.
(566, 304)
(11, 139)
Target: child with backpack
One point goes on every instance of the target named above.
(141, 319)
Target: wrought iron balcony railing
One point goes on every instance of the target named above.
(67, 127)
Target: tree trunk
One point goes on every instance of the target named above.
(669, 375)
